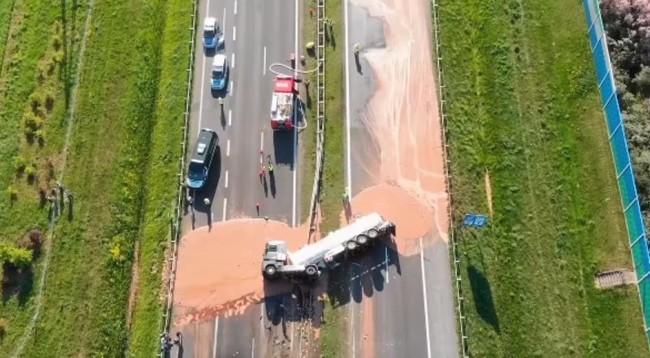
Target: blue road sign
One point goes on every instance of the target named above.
(475, 220)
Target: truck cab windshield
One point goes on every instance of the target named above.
(208, 33)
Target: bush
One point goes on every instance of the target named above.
(35, 102)
(15, 256)
(3, 327)
(49, 101)
(32, 242)
(56, 42)
(30, 171)
(19, 163)
(13, 193)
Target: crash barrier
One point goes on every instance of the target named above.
(320, 109)
(622, 163)
(455, 255)
(176, 219)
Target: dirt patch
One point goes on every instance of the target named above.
(403, 118)
(219, 271)
(488, 191)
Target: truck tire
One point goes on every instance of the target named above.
(351, 245)
(362, 239)
(270, 271)
(372, 233)
(311, 270)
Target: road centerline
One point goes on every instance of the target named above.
(232, 60)
(228, 148)
(225, 208)
(231, 90)
(226, 182)
(262, 148)
(214, 341)
(264, 63)
(229, 120)
(234, 33)
(235, 9)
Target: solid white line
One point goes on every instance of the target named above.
(226, 184)
(228, 148)
(225, 207)
(229, 119)
(261, 142)
(354, 336)
(231, 90)
(235, 11)
(252, 345)
(295, 132)
(426, 306)
(347, 99)
(234, 33)
(214, 342)
(232, 60)
(264, 63)
(223, 23)
(386, 248)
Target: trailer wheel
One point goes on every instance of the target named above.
(270, 271)
(372, 233)
(362, 239)
(351, 245)
(311, 270)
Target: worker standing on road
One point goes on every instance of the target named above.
(221, 101)
(357, 48)
(270, 169)
(206, 201)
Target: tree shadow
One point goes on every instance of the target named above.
(482, 294)
(17, 283)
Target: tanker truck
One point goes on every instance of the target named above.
(309, 261)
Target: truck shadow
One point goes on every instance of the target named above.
(283, 148)
(286, 302)
(363, 275)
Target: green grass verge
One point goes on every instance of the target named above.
(163, 179)
(333, 184)
(130, 100)
(40, 48)
(308, 136)
(523, 105)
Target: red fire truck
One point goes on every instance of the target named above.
(282, 103)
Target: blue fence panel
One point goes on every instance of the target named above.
(621, 156)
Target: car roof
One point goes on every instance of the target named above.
(219, 60)
(210, 22)
(205, 139)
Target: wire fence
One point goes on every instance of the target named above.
(176, 219)
(320, 108)
(455, 255)
(622, 163)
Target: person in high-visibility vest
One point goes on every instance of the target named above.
(221, 101)
(357, 48)
(310, 46)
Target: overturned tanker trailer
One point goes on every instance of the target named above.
(309, 261)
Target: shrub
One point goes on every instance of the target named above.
(58, 57)
(15, 256)
(40, 136)
(49, 101)
(31, 121)
(3, 327)
(30, 171)
(56, 42)
(35, 102)
(12, 192)
(19, 163)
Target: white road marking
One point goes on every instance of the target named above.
(347, 98)
(235, 10)
(214, 341)
(225, 207)
(232, 60)
(253, 344)
(264, 63)
(223, 23)
(226, 184)
(211, 216)
(228, 148)
(386, 248)
(231, 90)
(234, 33)
(426, 306)
(229, 119)
(262, 148)
(295, 132)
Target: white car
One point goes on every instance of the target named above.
(219, 75)
(212, 34)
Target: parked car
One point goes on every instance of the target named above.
(202, 158)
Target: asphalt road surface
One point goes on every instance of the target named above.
(412, 298)
(257, 34)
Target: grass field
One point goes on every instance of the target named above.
(333, 184)
(523, 106)
(121, 168)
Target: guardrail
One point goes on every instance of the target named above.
(462, 318)
(620, 152)
(320, 109)
(176, 219)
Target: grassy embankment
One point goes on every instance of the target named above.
(39, 46)
(333, 185)
(524, 105)
(124, 189)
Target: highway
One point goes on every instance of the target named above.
(257, 34)
(412, 306)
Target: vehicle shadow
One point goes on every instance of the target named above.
(363, 275)
(283, 148)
